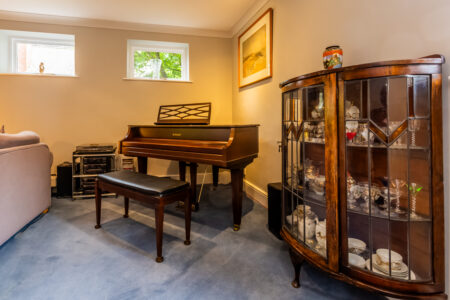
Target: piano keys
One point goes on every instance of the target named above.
(229, 146)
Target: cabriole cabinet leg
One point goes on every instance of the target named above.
(297, 261)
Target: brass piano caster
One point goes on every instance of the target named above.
(159, 259)
(187, 243)
(236, 227)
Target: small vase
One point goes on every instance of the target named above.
(332, 57)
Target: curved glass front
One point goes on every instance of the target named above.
(388, 171)
(304, 167)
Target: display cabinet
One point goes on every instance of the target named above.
(363, 177)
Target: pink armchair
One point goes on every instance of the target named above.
(25, 190)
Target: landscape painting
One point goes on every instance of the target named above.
(255, 51)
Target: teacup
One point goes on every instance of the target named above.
(382, 258)
(356, 246)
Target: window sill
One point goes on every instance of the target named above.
(157, 80)
(38, 75)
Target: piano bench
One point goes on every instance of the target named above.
(151, 190)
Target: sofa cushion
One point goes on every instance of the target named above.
(18, 139)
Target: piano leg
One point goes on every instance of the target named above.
(142, 165)
(182, 170)
(237, 178)
(193, 173)
(98, 204)
(215, 170)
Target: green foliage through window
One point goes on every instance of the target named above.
(147, 64)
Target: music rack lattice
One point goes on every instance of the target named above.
(193, 113)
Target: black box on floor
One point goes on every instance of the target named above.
(274, 211)
(64, 179)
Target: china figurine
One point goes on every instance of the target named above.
(351, 111)
(321, 234)
(319, 132)
(362, 136)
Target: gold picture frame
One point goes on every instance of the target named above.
(255, 51)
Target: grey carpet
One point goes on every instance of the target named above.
(62, 256)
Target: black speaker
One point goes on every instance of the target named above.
(274, 211)
(64, 179)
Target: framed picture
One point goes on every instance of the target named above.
(255, 51)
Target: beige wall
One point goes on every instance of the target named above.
(98, 106)
(367, 31)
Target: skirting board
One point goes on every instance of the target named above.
(255, 193)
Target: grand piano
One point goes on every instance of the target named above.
(222, 146)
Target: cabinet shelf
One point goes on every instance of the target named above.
(314, 143)
(307, 196)
(378, 215)
(393, 147)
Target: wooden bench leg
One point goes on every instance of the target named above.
(127, 203)
(187, 220)
(98, 204)
(159, 220)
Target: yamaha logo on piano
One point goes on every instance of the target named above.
(176, 134)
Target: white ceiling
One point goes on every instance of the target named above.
(213, 15)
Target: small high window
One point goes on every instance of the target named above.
(158, 60)
(37, 53)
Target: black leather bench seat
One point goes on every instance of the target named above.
(148, 184)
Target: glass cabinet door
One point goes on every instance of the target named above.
(304, 190)
(388, 171)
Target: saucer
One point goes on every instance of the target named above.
(376, 271)
(356, 260)
(385, 268)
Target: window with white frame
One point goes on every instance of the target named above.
(158, 60)
(26, 52)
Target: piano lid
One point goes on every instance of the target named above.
(221, 145)
(183, 132)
